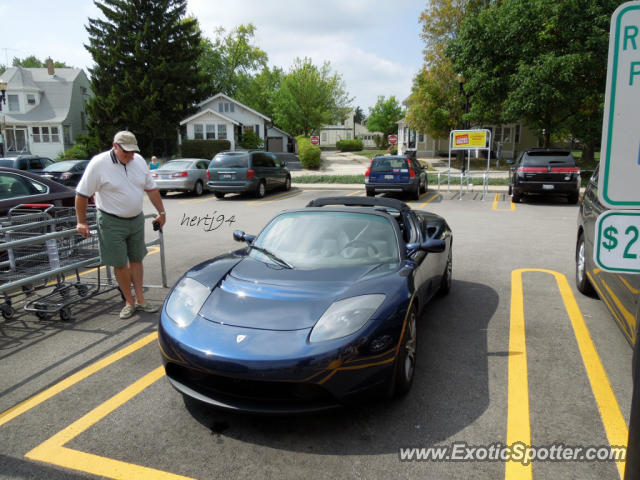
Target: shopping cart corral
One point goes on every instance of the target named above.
(41, 249)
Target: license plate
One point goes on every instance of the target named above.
(226, 176)
(388, 177)
(547, 187)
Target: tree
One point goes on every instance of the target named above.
(310, 97)
(229, 60)
(146, 75)
(33, 62)
(259, 91)
(384, 116)
(538, 61)
(359, 115)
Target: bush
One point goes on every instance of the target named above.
(380, 142)
(203, 148)
(77, 152)
(349, 145)
(309, 154)
(251, 141)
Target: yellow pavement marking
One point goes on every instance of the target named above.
(495, 205)
(435, 195)
(53, 451)
(199, 200)
(37, 399)
(357, 193)
(518, 420)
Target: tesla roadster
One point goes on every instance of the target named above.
(318, 310)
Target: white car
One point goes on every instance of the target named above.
(182, 174)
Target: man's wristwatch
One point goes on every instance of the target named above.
(162, 213)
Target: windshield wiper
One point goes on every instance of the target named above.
(272, 255)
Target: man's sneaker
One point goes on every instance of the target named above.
(127, 312)
(147, 307)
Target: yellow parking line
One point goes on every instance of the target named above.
(199, 200)
(518, 420)
(37, 399)
(53, 451)
(436, 195)
(357, 193)
(495, 205)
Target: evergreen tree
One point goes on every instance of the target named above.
(145, 77)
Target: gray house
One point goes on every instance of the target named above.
(44, 110)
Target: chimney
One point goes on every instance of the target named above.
(50, 69)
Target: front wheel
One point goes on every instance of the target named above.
(582, 280)
(406, 360)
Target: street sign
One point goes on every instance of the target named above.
(315, 140)
(618, 241)
(620, 147)
(393, 139)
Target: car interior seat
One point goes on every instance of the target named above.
(18, 189)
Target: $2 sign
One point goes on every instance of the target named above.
(616, 246)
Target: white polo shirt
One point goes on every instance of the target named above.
(118, 188)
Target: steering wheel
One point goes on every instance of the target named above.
(359, 243)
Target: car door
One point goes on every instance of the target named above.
(201, 169)
(279, 172)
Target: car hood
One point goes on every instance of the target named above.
(259, 295)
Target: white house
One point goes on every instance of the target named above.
(44, 110)
(346, 130)
(223, 118)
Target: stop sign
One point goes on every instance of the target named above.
(315, 140)
(393, 139)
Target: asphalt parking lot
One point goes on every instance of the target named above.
(513, 354)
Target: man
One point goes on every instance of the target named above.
(118, 178)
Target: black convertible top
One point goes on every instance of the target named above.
(361, 202)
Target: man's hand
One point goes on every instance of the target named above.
(161, 219)
(83, 229)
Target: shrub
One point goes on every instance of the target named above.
(77, 152)
(349, 145)
(309, 154)
(204, 148)
(380, 142)
(251, 141)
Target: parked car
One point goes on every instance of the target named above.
(545, 172)
(395, 173)
(183, 175)
(67, 172)
(318, 310)
(29, 163)
(619, 291)
(255, 172)
(17, 187)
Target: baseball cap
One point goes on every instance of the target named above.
(127, 141)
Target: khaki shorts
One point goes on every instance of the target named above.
(121, 240)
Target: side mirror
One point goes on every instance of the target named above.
(433, 245)
(240, 236)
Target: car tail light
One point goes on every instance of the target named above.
(412, 172)
(368, 172)
(565, 169)
(65, 175)
(532, 170)
(180, 174)
(208, 175)
(250, 173)
(154, 175)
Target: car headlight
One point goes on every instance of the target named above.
(345, 317)
(186, 300)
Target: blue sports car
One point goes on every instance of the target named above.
(318, 310)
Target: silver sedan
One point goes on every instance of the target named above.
(182, 174)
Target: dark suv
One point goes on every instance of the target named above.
(619, 291)
(545, 171)
(395, 173)
(253, 172)
(30, 163)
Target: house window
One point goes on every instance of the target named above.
(324, 137)
(506, 135)
(220, 107)
(14, 103)
(45, 135)
(211, 132)
(222, 131)
(226, 107)
(231, 106)
(257, 130)
(348, 135)
(31, 99)
(66, 134)
(497, 136)
(198, 132)
(421, 137)
(55, 135)
(35, 132)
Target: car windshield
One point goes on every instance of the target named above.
(230, 161)
(59, 167)
(310, 240)
(388, 164)
(6, 162)
(176, 165)
(548, 158)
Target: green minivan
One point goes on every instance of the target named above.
(253, 171)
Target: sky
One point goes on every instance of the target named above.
(374, 45)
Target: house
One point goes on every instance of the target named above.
(510, 139)
(44, 110)
(346, 130)
(223, 118)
